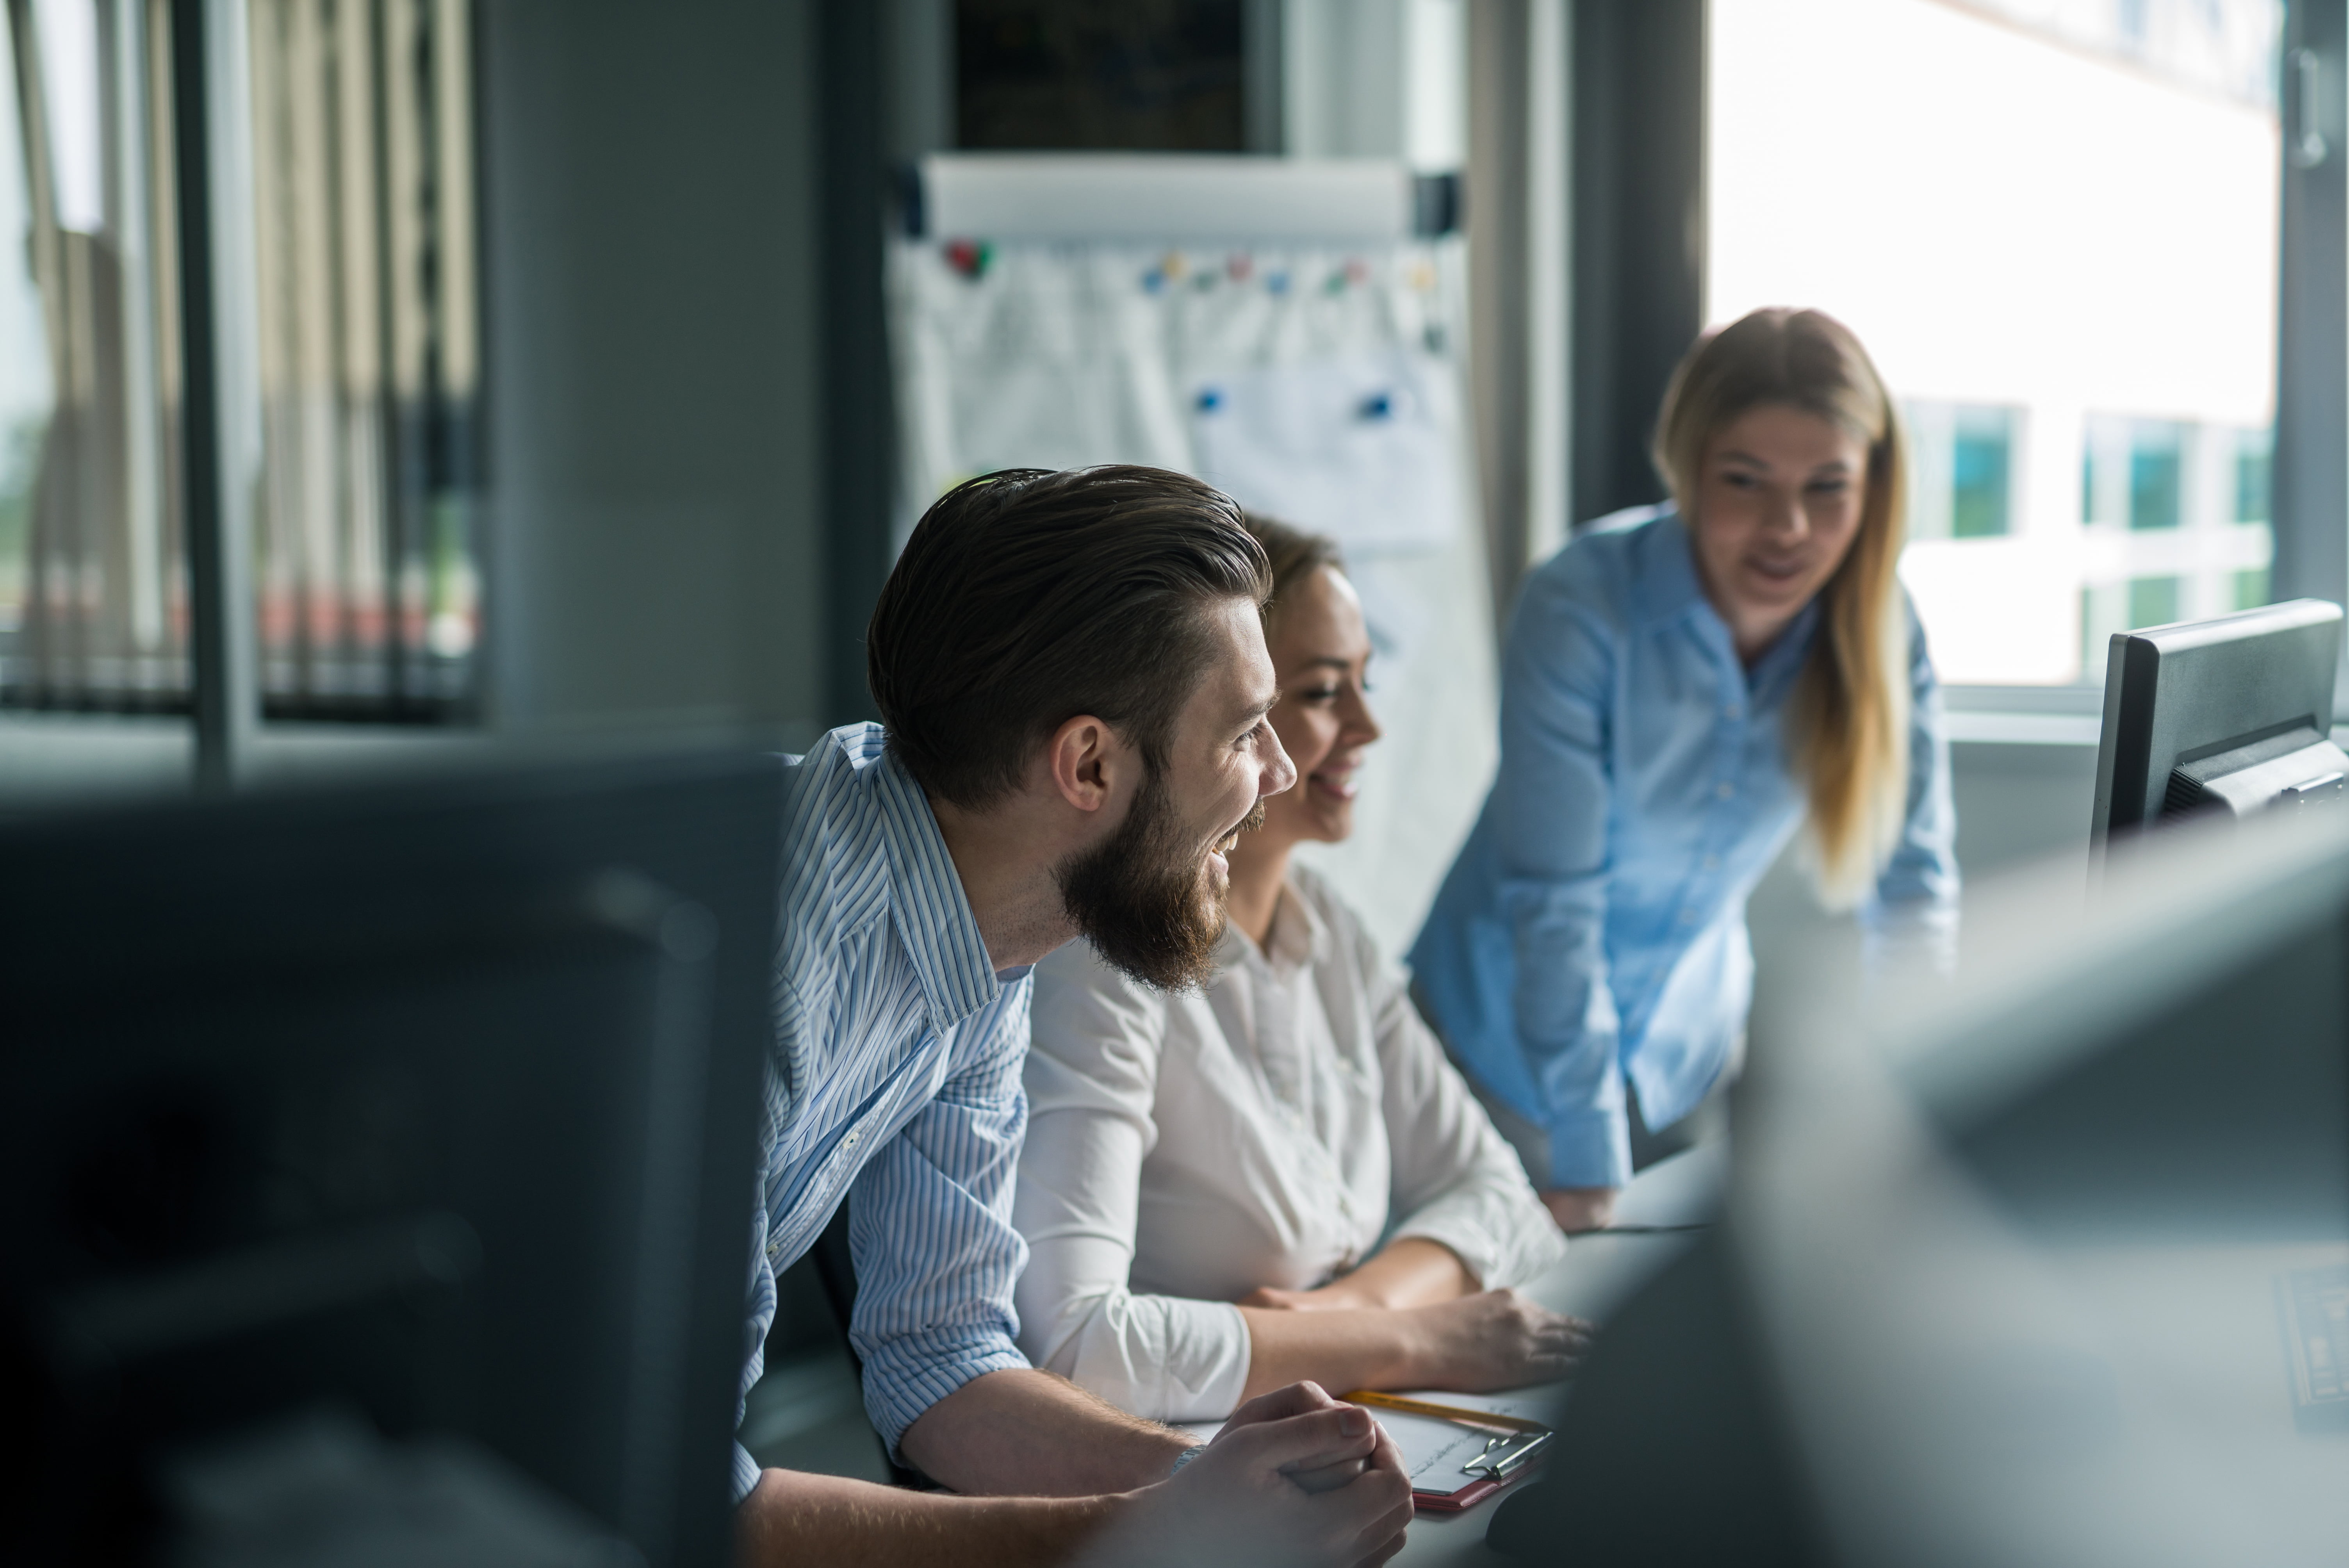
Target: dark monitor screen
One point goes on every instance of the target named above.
(421, 1113)
(2225, 717)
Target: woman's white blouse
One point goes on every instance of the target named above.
(1183, 1150)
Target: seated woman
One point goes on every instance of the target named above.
(1686, 688)
(1207, 1177)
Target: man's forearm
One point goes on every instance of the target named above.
(795, 1517)
(1029, 1433)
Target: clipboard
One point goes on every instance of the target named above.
(1509, 1444)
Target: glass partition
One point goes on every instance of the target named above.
(364, 544)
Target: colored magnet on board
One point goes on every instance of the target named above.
(1377, 406)
(1208, 400)
(969, 257)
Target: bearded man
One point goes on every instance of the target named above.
(1073, 682)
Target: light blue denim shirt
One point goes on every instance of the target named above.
(1593, 928)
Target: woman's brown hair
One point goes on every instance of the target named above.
(1847, 736)
(1294, 554)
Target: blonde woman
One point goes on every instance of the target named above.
(1277, 1177)
(1684, 689)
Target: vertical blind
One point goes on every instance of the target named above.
(361, 199)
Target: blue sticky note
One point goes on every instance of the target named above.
(1209, 400)
(1377, 406)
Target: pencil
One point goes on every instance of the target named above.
(1459, 1413)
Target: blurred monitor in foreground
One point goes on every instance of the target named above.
(2047, 1262)
(375, 1167)
(2228, 717)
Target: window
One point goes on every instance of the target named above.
(2254, 477)
(2060, 246)
(2153, 601)
(1960, 465)
(362, 281)
(93, 609)
(363, 213)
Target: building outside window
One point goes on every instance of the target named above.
(2060, 246)
(1960, 468)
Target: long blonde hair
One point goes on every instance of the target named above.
(1847, 720)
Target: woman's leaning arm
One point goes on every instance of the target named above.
(1914, 910)
(1549, 808)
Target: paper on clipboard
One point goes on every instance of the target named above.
(1435, 1450)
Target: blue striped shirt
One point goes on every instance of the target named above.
(893, 1083)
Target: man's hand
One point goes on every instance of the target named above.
(1493, 1340)
(1247, 1501)
(1580, 1209)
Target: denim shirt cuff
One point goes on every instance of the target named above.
(1590, 1148)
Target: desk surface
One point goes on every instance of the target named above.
(1595, 1275)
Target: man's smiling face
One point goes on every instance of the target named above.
(1150, 896)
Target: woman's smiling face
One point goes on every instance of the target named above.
(1780, 494)
(1321, 654)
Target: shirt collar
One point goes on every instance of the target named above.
(1298, 937)
(934, 915)
(1666, 588)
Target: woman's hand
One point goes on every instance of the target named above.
(1495, 1340)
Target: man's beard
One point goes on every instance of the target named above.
(1143, 896)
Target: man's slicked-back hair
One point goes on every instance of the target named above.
(1027, 597)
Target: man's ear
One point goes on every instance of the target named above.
(1084, 758)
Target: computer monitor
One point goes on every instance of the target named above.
(384, 1155)
(2228, 717)
(2044, 1262)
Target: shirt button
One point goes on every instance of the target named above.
(1688, 917)
(1732, 712)
(1713, 863)
(850, 1141)
(1724, 789)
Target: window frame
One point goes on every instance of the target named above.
(1639, 255)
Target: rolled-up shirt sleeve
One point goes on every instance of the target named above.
(1456, 1180)
(929, 1226)
(1091, 1079)
(1550, 800)
(759, 1318)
